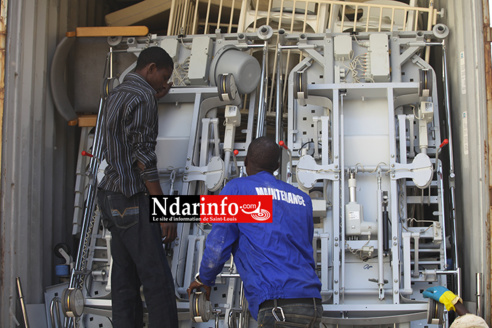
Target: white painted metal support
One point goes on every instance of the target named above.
(393, 200)
(204, 143)
(325, 263)
(416, 238)
(337, 213)
(406, 264)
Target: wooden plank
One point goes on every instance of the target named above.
(87, 120)
(111, 31)
(137, 13)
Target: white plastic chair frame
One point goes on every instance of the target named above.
(308, 16)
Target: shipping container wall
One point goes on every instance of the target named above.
(38, 150)
(467, 94)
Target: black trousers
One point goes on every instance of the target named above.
(138, 259)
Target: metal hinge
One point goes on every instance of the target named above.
(487, 33)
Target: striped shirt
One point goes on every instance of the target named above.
(130, 130)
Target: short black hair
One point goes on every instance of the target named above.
(155, 55)
(264, 153)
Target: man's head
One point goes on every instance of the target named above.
(156, 66)
(263, 155)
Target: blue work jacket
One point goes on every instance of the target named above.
(274, 260)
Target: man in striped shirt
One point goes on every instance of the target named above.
(130, 130)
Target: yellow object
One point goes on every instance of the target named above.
(84, 120)
(449, 299)
(109, 31)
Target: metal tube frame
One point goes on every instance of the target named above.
(260, 128)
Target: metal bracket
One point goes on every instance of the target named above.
(420, 170)
(308, 172)
(487, 33)
(212, 174)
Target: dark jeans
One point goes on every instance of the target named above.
(297, 315)
(138, 259)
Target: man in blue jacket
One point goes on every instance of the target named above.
(275, 260)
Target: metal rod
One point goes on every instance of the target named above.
(228, 275)
(242, 305)
(456, 272)
(446, 272)
(479, 294)
(22, 303)
(371, 291)
(440, 181)
(216, 315)
(342, 181)
(261, 98)
(110, 62)
(369, 168)
(279, 102)
(386, 246)
(89, 205)
(423, 43)
(250, 46)
(55, 312)
(352, 189)
(451, 155)
(303, 46)
(380, 239)
(447, 107)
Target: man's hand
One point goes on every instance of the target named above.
(197, 285)
(164, 91)
(442, 295)
(169, 232)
